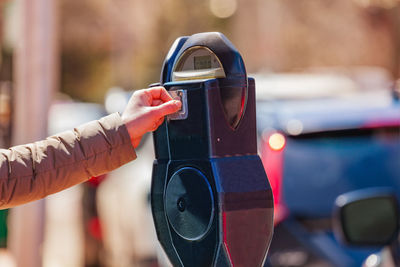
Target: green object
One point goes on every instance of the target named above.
(3, 228)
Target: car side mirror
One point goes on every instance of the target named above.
(367, 217)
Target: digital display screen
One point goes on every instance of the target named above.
(202, 62)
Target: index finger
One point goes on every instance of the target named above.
(160, 93)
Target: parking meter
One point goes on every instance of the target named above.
(211, 200)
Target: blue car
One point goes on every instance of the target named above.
(319, 137)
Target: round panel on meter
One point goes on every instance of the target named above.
(198, 63)
(189, 203)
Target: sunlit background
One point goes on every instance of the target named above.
(78, 58)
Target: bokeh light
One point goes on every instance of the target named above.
(223, 8)
(115, 100)
(294, 127)
(277, 141)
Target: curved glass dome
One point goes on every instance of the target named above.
(199, 62)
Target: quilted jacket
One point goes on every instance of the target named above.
(33, 171)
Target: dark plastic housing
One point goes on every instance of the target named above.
(213, 154)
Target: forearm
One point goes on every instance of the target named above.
(33, 171)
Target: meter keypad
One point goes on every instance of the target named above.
(181, 114)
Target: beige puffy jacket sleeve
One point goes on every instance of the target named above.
(33, 171)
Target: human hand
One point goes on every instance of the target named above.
(146, 110)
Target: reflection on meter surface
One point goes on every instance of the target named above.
(181, 114)
(198, 63)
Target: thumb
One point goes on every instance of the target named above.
(167, 108)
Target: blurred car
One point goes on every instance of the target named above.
(369, 218)
(321, 135)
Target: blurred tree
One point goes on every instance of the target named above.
(85, 48)
(296, 35)
(387, 13)
(123, 43)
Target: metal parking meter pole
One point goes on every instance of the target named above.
(35, 74)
